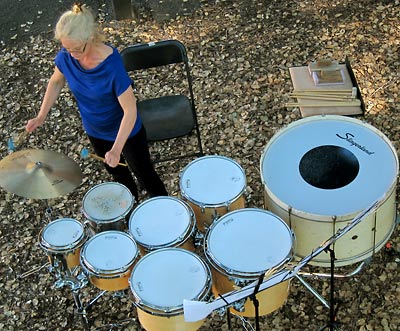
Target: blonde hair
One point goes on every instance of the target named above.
(78, 24)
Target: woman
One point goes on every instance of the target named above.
(102, 88)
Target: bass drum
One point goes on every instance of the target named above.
(319, 173)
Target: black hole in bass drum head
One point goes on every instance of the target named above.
(329, 167)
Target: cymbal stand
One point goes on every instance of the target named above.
(332, 324)
(64, 278)
(34, 270)
(48, 213)
(93, 301)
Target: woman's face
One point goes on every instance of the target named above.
(76, 48)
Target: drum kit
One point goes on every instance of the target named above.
(329, 196)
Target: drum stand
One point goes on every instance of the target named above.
(332, 324)
(256, 302)
(325, 275)
(111, 326)
(64, 278)
(228, 312)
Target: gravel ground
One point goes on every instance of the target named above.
(240, 52)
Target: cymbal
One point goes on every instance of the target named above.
(39, 174)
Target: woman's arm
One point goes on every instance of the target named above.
(127, 101)
(53, 90)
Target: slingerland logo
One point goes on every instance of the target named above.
(349, 138)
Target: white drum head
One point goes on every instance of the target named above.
(62, 233)
(328, 165)
(160, 221)
(212, 180)
(109, 251)
(107, 202)
(163, 278)
(249, 241)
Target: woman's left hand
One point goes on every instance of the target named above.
(112, 158)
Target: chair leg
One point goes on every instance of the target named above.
(199, 141)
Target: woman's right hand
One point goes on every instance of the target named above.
(33, 124)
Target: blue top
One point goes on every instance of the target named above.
(96, 91)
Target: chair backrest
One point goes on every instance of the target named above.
(154, 109)
(157, 54)
(154, 54)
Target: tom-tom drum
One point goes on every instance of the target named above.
(162, 222)
(213, 185)
(159, 283)
(243, 245)
(63, 239)
(106, 206)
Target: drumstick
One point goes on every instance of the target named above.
(321, 96)
(325, 91)
(94, 156)
(85, 154)
(325, 104)
(22, 136)
(13, 145)
(352, 91)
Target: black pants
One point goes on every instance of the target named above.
(136, 154)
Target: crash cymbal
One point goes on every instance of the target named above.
(39, 174)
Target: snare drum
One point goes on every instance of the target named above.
(162, 222)
(106, 205)
(213, 186)
(161, 280)
(241, 246)
(108, 258)
(63, 239)
(320, 172)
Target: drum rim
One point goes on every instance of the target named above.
(323, 218)
(191, 226)
(316, 216)
(92, 270)
(172, 310)
(209, 205)
(115, 219)
(226, 270)
(65, 248)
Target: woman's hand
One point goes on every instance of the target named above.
(112, 158)
(33, 124)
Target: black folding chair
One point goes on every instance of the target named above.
(165, 114)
